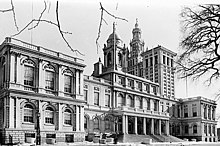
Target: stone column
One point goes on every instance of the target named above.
(82, 119)
(77, 82)
(167, 127)
(159, 128)
(202, 129)
(152, 126)
(135, 125)
(12, 68)
(61, 82)
(11, 112)
(126, 124)
(207, 115)
(19, 70)
(41, 120)
(60, 117)
(77, 118)
(81, 82)
(41, 77)
(202, 111)
(144, 126)
(213, 112)
(18, 121)
(123, 124)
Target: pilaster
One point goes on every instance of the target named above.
(77, 118)
(82, 118)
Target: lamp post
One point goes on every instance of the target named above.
(38, 138)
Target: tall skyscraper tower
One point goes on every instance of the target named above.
(135, 64)
(159, 67)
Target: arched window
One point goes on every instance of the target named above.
(49, 77)
(139, 103)
(130, 101)
(67, 117)
(49, 115)
(107, 123)
(28, 113)
(121, 100)
(96, 123)
(194, 129)
(109, 59)
(29, 73)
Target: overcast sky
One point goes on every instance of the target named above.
(158, 20)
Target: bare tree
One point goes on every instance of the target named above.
(103, 10)
(200, 56)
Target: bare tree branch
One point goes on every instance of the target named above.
(36, 20)
(200, 47)
(102, 19)
(61, 32)
(41, 15)
(12, 9)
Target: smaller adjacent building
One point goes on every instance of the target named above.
(195, 119)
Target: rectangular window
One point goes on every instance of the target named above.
(168, 61)
(49, 117)
(67, 118)
(171, 63)
(148, 88)
(96, 98)
(185, 111)
(151, 61)
(28, 76)
(107, 100)
(154, 90)
(164, 59)
(148, 104)
(146, 60)
(156, 59)
(28, 115)
(49, 80)
(67, 83)
(194, 110)
(85, 95)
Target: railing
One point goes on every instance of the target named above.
(197, 98)
(124, 108)
(41, 49)
(96, 79)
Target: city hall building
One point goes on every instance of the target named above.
(45, 94)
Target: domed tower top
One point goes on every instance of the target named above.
(113, 37)
(136, 32)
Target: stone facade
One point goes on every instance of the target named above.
(132, 92)
(37, 84)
